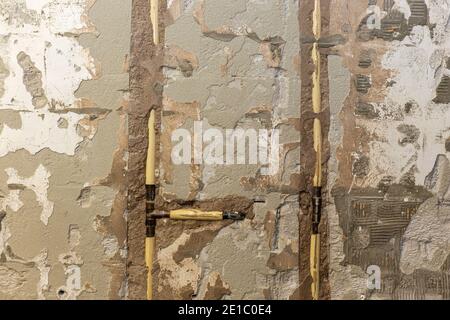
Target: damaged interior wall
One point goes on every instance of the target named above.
(224, 65)
(73, 135)
(389, 86)
(230, 65)
(63, 101)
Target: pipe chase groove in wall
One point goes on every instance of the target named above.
(317, 137)
(151, 188)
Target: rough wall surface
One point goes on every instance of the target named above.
(307, 152)
(63, 96)
(72, 226)
(227, 65)
(389, 194)
(146, 82)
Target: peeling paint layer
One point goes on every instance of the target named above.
(391, 186)
(38, 183)
(63, 100)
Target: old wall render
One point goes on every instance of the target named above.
(307, 152)
(146, 82)
(388, 192)
(230, 64)
(63, 112)
(63, 85)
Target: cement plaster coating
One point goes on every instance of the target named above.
(51, 246)
(67, 229)
(347, 282)
(243, 72)
(401, 134)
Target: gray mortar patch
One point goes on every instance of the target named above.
(373, 223)
(365, 61)
(363, 83)
(4, 73)
(331, 41)
(32, 79)
(438, 181)
(379, 221)
(366, 110)
(394, 26)
(10, 118)
(443, 91)
(361, 166)
(419, 13)
(388, 5)
(411, 134)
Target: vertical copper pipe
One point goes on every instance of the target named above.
(150, 203)
(317, 133)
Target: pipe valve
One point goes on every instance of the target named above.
(233, 215)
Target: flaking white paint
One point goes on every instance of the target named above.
(39, 184)
(39, 131)
(41, 261)
(64, 64)
(36, 5)
(185, 273)
(403, 7)
(416, 70)
(47, 32)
